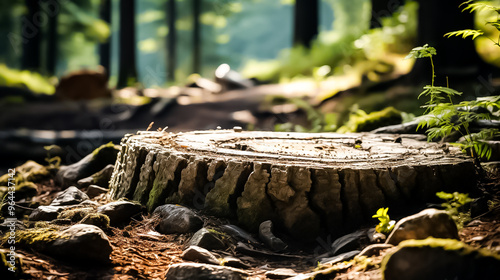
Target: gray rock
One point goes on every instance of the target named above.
(10, 225)
(437, 259)
(348, 242)
(267, 236)
(376, 237)
(238, 233)
(177, 219)
(89, 203)
(70, 196)
(340, 258)
(195, 253)
(281, 273)
(68, 175)
(120, 212)
(94, 190)
(491, 167)
(46, 213)
(100, 178)
(427, 223)
(85, 243)
(206, 239)
(198, 271)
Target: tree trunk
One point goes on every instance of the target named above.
(127, 64)
(196, 36)
(32, 35)
(382, 9)
(306, 22)
(456, 57)
(171, 41)
(307, 183)
(105, 48)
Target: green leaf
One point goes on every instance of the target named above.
(465, 33)
(421, 52)
(478, 6)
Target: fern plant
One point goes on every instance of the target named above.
(442, 116)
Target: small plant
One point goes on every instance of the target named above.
(455, 206)
(385, 225)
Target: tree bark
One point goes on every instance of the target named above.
(196, 36)
(127, 63)
(32, 35)
(306, 22)
(105, 48)
(306, 183)
(171, 41)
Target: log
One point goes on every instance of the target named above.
(308, 184)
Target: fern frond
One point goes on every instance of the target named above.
(465, 33)
(421, 52)
(478, 6)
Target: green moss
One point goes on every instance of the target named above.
(105, 151)
(75, 215)
(37, 238)
(361, 121)
(30, 171)
(25, 79)
(4, 267)
(96, 219)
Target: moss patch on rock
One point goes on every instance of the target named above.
(97, 219)
(75, 215)
(361, 121)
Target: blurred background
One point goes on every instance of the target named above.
(81, 73)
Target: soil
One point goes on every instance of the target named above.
(139, 253)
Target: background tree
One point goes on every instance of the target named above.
(127, 62)
(305, 22)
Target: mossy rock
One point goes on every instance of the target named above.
(30, 171)
(434, 259)
(37, 238)
(360, 121)
(75, 215)
(69, 175)
(97, 219)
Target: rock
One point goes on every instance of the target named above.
(70, 174)
(427, 223)
(207, 239)
(267, 236)
(97, 219)
(374, 249)
(195, 253)
(376, 237)
(177, 219)
(94, 190)
(194, 271)
(45, 213)
(120, 212)
(75, 214)
(491, 167)
(340, 258)
(348, 242)
(30, 171)
(238, 233)
(89, 203)
(234, 262)
(83, 85)
(405, 128)
(434, 259)
(100, 178)
(281, 273)
(70, 196)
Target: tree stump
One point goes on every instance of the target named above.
(306, 183)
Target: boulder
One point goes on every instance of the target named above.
(100, 178)
(198, 271)
(120, 212)
(70, 174)
(267, 236)
(94, 190)
(70, 196)
(208, 239)
(46, 213)
(177, 219)
(427, 223)
(195, 253)
(83, 85)
(434, 259)
(85, 243)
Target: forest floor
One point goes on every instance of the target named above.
(139, 253)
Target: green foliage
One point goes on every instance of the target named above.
(385, 225)
(455, 206)
(421, 52)
(465, 33)
(360, 121)
(319, 122)
(25, 79)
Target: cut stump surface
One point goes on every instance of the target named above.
(306, 183)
